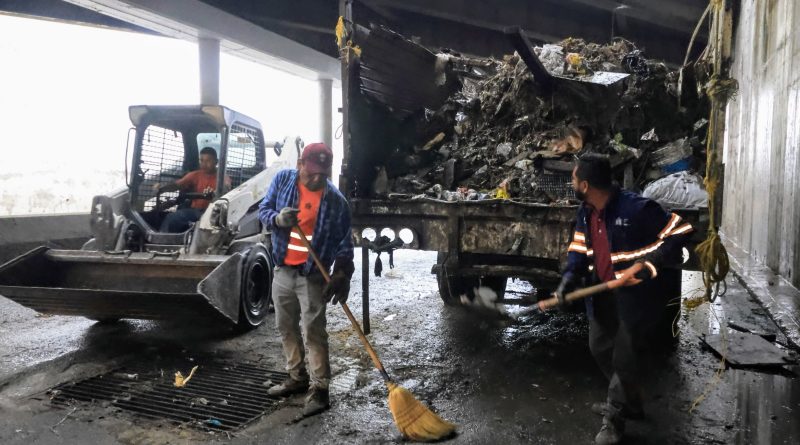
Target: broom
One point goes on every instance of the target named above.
(414, 420)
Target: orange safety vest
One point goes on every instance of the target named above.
(309, 201)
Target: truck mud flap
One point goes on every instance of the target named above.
(115, 285)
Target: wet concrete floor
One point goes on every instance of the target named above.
(526, 383)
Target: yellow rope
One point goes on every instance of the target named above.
(721, 89)
(714, 261)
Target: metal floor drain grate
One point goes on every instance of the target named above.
(219, 396)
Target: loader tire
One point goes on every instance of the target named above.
(256, 291)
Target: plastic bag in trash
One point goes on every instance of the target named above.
(671, 153)
(678, 190)
(552, 57)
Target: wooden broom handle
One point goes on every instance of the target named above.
(356, 326)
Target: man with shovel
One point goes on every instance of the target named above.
(621, 236)
(305, 198)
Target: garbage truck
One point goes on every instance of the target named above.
(218, 269)
(471, 157)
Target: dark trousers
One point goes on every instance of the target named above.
(180, 220)
(619, 351)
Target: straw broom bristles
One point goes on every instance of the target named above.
(414, 420)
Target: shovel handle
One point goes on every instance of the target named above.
(576, 295)
(375, 359)
(572, 296)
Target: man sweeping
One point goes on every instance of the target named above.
(619, 234)
(306, 198)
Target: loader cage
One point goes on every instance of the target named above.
(245, 156)
(165, 151)
(162, 161)
(168, 148)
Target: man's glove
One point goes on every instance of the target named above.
(338, 287)
(287, 217)
(640, 271)
(566, 285)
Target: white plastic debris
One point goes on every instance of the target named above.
(504, 149)
(393, 273)
(678, 190)
(552, 57)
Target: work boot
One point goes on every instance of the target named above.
(317, 401)
(611, 431)
(288, 387)
(601, 409)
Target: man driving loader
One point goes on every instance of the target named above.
(306, 198)
(203, 181)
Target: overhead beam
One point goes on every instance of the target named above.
(453, 13)
(64, 12)
(661, 14)
(669, 15)
(317, 14)
(543, 22)
(193, 19)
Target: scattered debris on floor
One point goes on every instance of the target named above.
(741, 349)
(743, 326)
(181, 381)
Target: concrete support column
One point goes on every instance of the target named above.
(325, 111)
(209, 71)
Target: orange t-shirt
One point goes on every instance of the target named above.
(196, 182)
(309, 202)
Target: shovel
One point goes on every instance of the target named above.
(552, 302)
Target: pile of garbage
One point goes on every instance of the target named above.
(504, 134)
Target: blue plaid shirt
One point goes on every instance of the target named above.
(332, 236)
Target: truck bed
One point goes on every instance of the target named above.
(520, 239)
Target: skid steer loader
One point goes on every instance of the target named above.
(221, 267)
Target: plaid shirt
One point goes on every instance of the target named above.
(332, 238)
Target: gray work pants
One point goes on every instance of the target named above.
(617, 347)
(299, 307)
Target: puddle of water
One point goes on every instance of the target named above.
(768, 406)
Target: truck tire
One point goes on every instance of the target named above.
(256, 287)
(105, 321)
(453, 286)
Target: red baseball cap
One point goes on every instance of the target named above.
(317, 158)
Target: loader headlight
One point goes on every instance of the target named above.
(219, 214)
(102, 215)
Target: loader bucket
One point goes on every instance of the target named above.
(105, 285)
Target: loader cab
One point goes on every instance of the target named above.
(167, 145)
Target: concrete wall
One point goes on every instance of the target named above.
(762, 151)
(19, 234)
